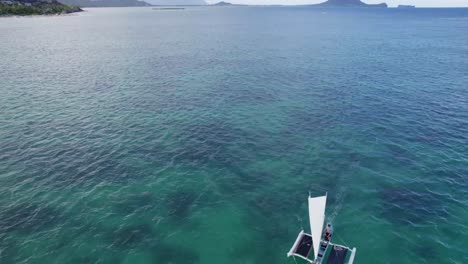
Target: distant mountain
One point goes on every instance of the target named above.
(177, 2)
(349, 3)
(104, 3)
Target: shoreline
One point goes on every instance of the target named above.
(44, 15)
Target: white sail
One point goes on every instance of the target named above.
(316, 218)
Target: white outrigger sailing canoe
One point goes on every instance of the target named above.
(324, 251)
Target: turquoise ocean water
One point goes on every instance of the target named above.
(135, 135)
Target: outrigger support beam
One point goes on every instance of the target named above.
(353, 254)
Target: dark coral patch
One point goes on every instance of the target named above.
(270, 208)
(245, 180)
(136, 202)
(427, 252)
(411, 207)
(400, 155)
(132, 236)
(209, 143)
(165, 253)
(179, 203)
(253, 253)
(85, 259)
(195, 144)
(28, 218)
(8, 250)
(305, 123)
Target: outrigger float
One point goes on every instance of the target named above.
(324, 251)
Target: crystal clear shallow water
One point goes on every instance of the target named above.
(194, 136)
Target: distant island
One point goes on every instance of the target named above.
(35, 7)
(329, 3)
(222, 3)
(104, 3)
(349, 3)
(406, 6)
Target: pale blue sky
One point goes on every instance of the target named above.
(420, 3)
